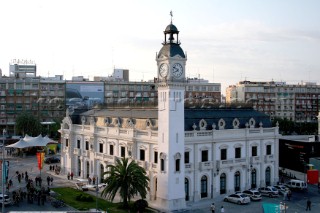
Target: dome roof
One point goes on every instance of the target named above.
(171, 50)
(171, 29)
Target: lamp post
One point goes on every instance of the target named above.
(4, 131)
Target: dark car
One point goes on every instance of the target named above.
(52, 159)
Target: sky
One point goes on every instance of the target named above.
(226, 41)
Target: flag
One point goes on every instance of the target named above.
(40, 157)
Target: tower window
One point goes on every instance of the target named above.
(87, 145)
(78, 144)
(67, 142)
(177, 165)
(155, 159)
(162, 165)
(186, 157)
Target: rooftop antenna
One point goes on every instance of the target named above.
(171, 15)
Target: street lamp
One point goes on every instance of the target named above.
(4, 131)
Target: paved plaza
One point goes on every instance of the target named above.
(29, 164)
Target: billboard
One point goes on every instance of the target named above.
(84, 95)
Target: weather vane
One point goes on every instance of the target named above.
(171, 15)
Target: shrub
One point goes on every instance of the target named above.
(140, 205)
(84, 198)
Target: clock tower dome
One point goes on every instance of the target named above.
(171, 62)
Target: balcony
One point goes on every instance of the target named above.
(240, 161)
(77, 151)
(188, 167)
(269, 159)
(205, 165)
(85, 153)
(143, 164)
(255, 159)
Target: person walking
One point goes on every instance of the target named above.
(213, 207)
(289, 194)
(68, 175)
(71, 175)
(222, 209)
(308, 205)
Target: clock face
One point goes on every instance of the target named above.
(177, 70)
(163, 70)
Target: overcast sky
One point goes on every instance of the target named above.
(226, 41)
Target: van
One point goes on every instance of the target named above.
(296, 184)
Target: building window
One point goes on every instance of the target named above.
(162, 165)
(111, 150)
(87, 145)
(223, 154)
(123, 151)
(254, 150)
(142, 154)
(101, 147)
(155, 157)
(67, 142)
(204, 155)
(268, 149)
(78, 144)
(177, 165)
(186, 157)
(238, 152)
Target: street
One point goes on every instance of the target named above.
(297, 204)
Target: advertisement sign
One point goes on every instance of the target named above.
(84, 95)
(40, 158)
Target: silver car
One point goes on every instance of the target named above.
(238, 198)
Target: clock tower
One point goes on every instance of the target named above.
(171, 62)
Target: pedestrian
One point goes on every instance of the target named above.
(213, 207)
(51, 179)
(222, 209)
(68, 175)
(71, 175)
(94, 180)
(289, 194)
(10, 182)
(50, 167)
(48, 180)
(308, 205)
(19, 178)
(285, 194)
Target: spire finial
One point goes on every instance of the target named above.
(171, 15)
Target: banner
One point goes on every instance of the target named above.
(40, 157)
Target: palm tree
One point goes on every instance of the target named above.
(127, 178)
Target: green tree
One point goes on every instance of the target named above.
(26, 123)
(127, 178)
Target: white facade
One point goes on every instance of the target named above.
(184, 164)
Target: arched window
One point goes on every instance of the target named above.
(186, 188)
(162, 158)
(204, 186)
(268, 176)
(253, 178)
(223, 183)
(177, 158)
(237, 181)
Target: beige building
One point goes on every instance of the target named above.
(295, 102)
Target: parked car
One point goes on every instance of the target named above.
(238, 198)
(7, 200)
(253, 194)
(296, 184)
(52, 159)
(281, 188)
(269, 191)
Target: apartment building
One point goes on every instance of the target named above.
(295, 102)
(23, 90)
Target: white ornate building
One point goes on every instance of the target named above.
(189, 154)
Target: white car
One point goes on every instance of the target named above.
(253, 194)
(281, 188)
(7, 199)
(269, 191)
(238, 198)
